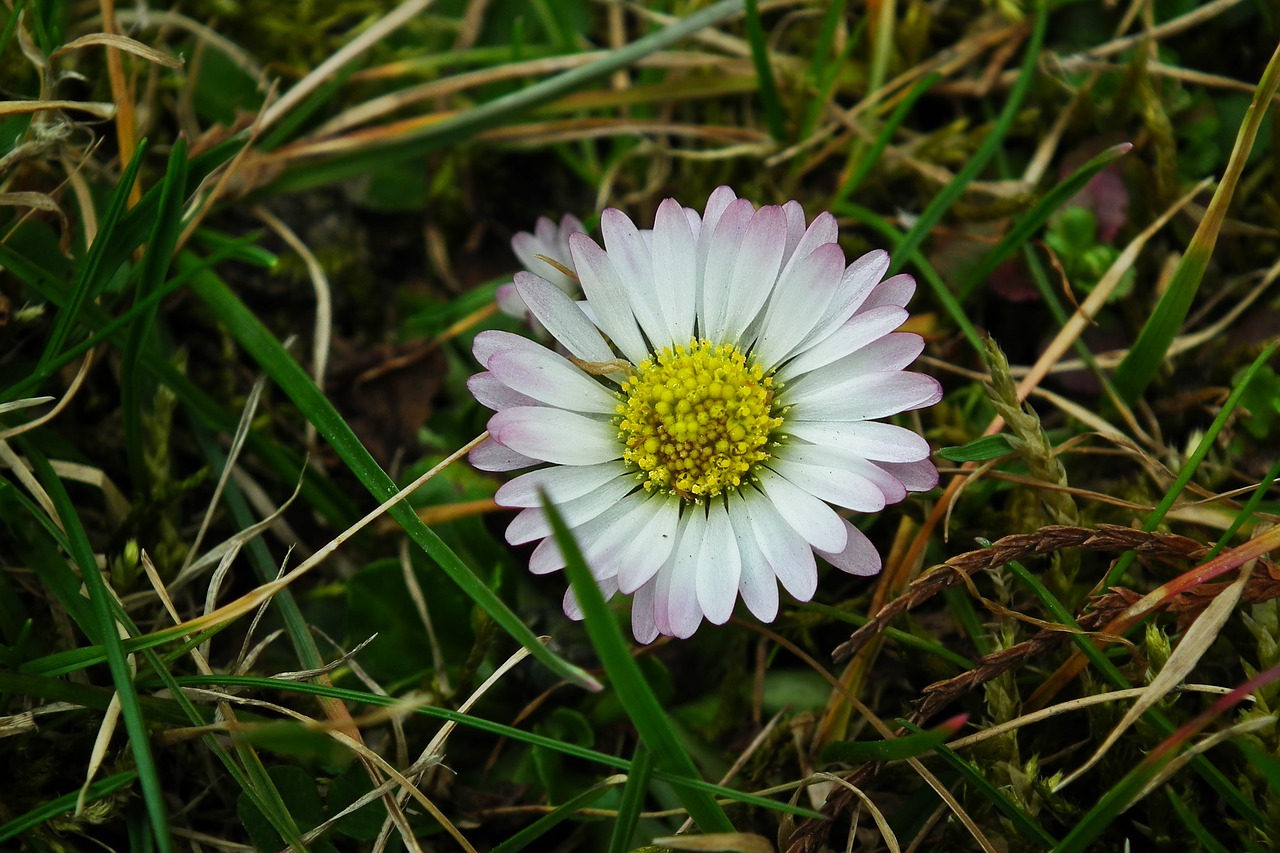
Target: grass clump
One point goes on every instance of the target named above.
(251, 598)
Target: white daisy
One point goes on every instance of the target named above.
(717, 397)
(545, 252)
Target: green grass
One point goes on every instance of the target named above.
(166, 456)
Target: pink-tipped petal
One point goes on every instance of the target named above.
(609, 296)
(554, 435)
(915, 476)
(552, 379)
(562, 318)
(859, 556)
(895, 290)
(491, 393)
(816, 522)
(488, 455)
(866, 397)
(869, 439)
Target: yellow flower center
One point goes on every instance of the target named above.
(696, 419)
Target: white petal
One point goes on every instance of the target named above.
(892, 352)
(683, 610)
(632, 261)
(608, 296)
(488, 455)
(786, 552)
(554, 380)
(871, 395)
(798, 302)
(530, 524)
(868, 439)
(491, 393)
(830, 482)
(821, 231)
(755, 270)
(554, 435)
(510, 303)
(652, 545)
(717, 202)
(642, 624)
(719, 567)
(674, 273)
(547, 557)
(808, 516)
(562, 483)
(858, 332)
(571, 607)
(856, 286)
(795, 227)
(859, 556)
(563, 318)
(717, 270)
(866, 474)
(758, 584)
(915, 476)
(895, 290)
(888, 354)
(606, 552)
(661, 585)
(490, 342)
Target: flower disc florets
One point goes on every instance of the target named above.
(697, 419)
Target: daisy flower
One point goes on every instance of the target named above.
(549, 241)
(716, 399)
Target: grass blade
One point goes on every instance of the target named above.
(1025, 824)
(504, 109)
(155, 266)
(104, 631)
(768, 85)
(633, 795)
(280, 366)
(637, 698)
(94, 273)
(1139, 367)
(549, 821)
(990, 145)
(65, 803)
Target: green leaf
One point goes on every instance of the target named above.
(979, 450)
(364, 823)
(1031, 222)
(301, 800)
(378, 602)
